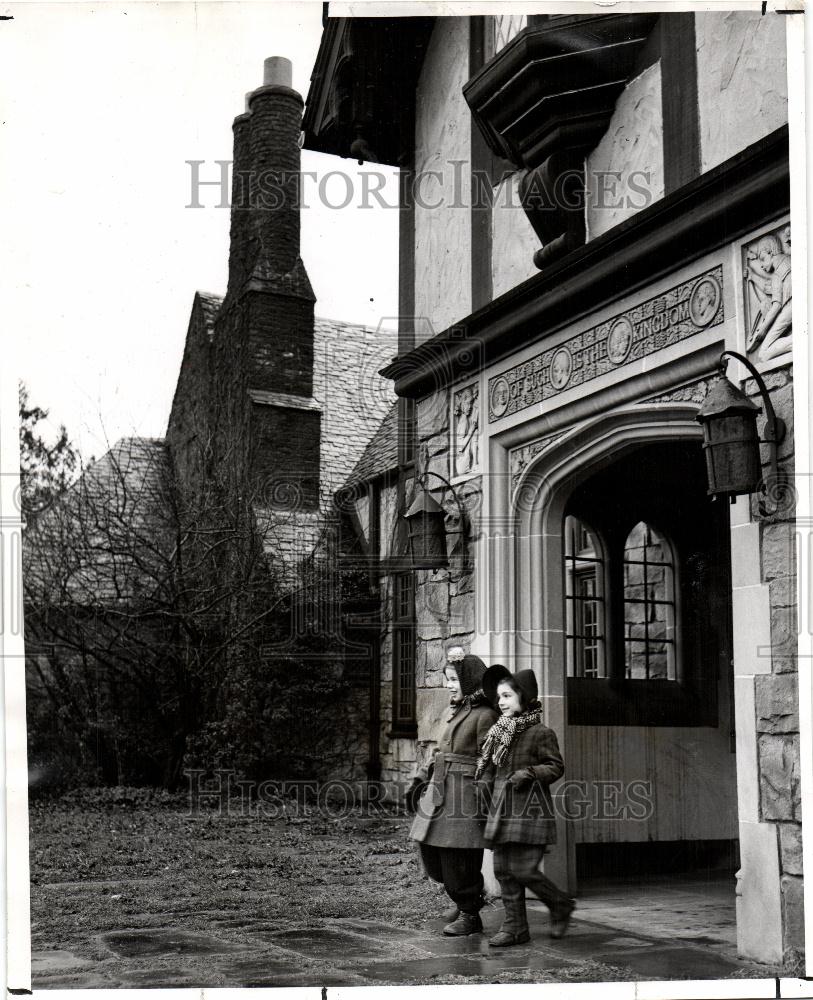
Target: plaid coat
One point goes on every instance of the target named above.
(449, 813)
(523, 815)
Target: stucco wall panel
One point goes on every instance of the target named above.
(624, 173)
(442, 165)
(513, 240)
(742, 86)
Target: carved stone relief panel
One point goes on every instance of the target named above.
(466, 430)
(520, 458)
(695, 392)
(686, 310)
(767, 295)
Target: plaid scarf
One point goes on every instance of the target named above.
(468, 701)
(501, 735)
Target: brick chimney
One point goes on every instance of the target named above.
(276, 124)
(271, 302)
(240, 233)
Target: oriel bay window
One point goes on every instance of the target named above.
(634, 604)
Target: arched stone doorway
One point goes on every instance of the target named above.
(644, 694)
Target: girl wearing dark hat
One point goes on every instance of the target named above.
(448, 823)
(520, 759)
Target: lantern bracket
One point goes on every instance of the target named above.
(421, 482)
(775, 431)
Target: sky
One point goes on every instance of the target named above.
(102, 106)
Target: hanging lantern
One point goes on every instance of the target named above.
(427, 532)
(730, 440)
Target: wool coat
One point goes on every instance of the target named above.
(524, 814)
(450, 813)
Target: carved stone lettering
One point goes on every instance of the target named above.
(687, 309)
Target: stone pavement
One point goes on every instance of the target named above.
(660, 930)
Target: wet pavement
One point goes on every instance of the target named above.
(664, 929)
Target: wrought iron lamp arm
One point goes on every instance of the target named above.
(420, 480)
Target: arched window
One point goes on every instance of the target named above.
(584, 601)
(649, 605)
(646, 637)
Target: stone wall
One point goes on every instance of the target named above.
(742, 86)
(776, 692)
(188, 427)
(444, 605)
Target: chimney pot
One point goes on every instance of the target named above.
(277, 71)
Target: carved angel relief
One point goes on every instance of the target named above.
(767, 277)
(466, 430)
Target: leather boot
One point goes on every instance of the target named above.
(514, 928)
(451, 913)
(466, 923)
(559, 919)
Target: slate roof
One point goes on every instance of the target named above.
(107, 538)
(358, 417)
(357, 421)
(82, 550)
(381, 454)
(355, 399)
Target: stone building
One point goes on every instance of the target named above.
(593, 209)
(288, 401)
(274, 408)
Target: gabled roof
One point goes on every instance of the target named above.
(354, 398)
(381, 454)
(107, 539)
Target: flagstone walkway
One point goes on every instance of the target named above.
(136, 896)
(692, 940)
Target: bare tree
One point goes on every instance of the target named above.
(158, 629)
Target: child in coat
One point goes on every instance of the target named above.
(519, 761)
(448, 823)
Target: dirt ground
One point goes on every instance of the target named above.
(128, 891)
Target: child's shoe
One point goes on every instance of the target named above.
(466, 923)
(452, 912)
(504, 939)
(559, 922)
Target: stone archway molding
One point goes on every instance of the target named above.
(537, 511)
(535, 598)
(530, 616)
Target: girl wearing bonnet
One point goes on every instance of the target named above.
(448, 824)
(518, 762)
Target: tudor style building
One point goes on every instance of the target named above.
(593, 209)
(273, 409)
